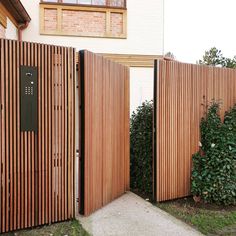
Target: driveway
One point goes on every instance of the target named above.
(131, 215)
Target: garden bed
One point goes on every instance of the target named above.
(210, 219)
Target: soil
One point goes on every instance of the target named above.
(143, 195)
(188, 201)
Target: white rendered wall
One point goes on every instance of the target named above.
(145, 37)
(11, 30)
(141, 86)
(145, 31)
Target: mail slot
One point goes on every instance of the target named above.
(29, 98)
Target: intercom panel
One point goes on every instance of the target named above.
(29, 98)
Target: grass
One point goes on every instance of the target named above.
(69, 228)
(208, 219)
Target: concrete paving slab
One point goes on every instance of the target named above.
(130, 215)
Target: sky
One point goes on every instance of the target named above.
(194, 26)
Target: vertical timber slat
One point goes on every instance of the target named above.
(30, 192)
(180, 92)
(105, 135)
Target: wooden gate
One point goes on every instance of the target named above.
(181, 90)
(105, 131)
(37, 168)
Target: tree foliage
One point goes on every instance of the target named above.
(214, 166)
(170, 55)
(214, 57)
(141, 149)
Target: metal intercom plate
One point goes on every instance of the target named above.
(29, 98)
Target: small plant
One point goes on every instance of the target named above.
(141, 149)
(214, 166)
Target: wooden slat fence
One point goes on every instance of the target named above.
(181, 89)
(105, 131)
(37, 168)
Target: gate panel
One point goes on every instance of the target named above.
(181, 91)
(105, 131)
(37, 168)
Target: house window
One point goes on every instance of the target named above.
(87, 18)
(108, 3)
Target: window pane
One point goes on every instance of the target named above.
(93, 2)
(99, 2)
(113, 3)
(85, 2)
(50, 0)
(117, 3)
(70, 1)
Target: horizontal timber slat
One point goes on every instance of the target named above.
(133, 60)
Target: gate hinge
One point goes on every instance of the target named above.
(78, 153)
(77, 67)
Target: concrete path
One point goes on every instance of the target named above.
(131, 215)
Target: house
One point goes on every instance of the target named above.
(13, 19)
(126, 31)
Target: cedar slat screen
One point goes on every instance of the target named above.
(105, 135)
(36, 171)
(181, 89)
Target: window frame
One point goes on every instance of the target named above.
(72, 7)
(59, 2)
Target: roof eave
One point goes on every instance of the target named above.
(17, 10)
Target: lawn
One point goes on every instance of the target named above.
(69, 228)
(209, 219)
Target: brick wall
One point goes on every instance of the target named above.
(116, 24)
(50, 19)
(84, 23)
(89, 23)
(2, 32)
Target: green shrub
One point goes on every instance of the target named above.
(141, 149)
(214, 166)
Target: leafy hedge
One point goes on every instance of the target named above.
(141, 149)
(214, 166)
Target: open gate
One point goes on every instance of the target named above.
(105, 131)
(37, 163)
(37, 133)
